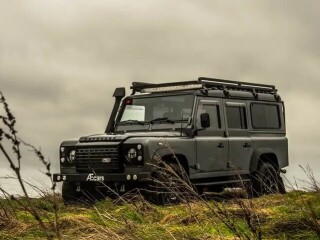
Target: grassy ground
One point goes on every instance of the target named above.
(289, 216)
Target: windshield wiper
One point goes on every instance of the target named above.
(130, 121)
(160, 120)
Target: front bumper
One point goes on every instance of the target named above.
(102, 177)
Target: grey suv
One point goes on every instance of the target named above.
(217, 132)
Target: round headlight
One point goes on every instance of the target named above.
(131, 154)
(72, 156)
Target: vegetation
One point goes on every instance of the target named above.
(280, 217)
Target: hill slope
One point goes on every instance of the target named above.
(292, 216)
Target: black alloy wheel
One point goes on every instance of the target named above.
(166, 187)
(265, 181)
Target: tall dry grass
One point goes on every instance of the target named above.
(14, 157)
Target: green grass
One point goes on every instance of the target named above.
(279, 217)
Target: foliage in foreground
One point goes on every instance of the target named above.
(280, 217)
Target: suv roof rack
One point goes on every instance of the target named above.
(235, 85)
(203, 83)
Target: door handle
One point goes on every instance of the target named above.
(246, 145)
(221, 145)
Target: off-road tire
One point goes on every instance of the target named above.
(163, 188)
(266, 180)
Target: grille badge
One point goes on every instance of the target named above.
(106, 160)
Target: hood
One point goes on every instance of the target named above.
(103, 137)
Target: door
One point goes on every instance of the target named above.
(240, 143)
(212, 145)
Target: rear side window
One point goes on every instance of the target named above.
(265, 116)
(213, 111)
(236, 117)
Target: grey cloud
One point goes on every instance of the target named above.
(31, 90)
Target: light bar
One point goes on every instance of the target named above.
(172, 88)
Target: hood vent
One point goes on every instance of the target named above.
(98, 139)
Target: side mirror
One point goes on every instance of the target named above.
(205, 120)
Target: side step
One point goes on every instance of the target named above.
(206, 184)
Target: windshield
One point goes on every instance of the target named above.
(163, 112)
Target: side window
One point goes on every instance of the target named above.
(236, 117)
(265, 116)
(214, 113)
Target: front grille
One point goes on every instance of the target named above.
(98, 159)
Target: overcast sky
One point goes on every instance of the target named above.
(61, 60)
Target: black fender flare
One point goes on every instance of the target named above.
(256, 156)
(171, 155)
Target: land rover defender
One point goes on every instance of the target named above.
(220, 132)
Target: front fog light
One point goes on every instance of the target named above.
(62, 149)
(131, 154)
(72, 156)
(139, 147)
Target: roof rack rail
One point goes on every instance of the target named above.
(215, 82)
(203, 83)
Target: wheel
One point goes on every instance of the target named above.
(69, 193)
(265, 181)
(166, 187)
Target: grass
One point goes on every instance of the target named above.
(280, 216)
